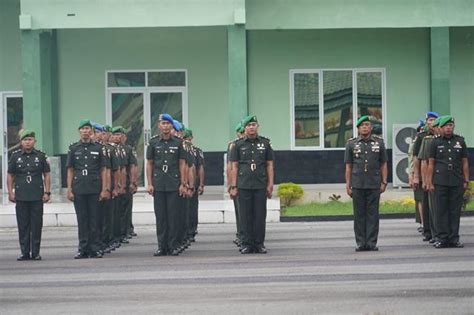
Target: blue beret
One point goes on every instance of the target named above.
(98, 127)
(432, 114)
(166, 117)
(421, 123)
(177, 125)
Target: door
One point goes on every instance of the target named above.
(12, 125)
(138, 110)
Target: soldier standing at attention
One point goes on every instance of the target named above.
(252, 182)
(166, 176)
(29, 173)
(130, 187)
(86, 186)
(239, 129)
(366, 178)
(418, 176)
(448, 176)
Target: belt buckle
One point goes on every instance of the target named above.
(253, 167)
(450, 167)
(28, 179)
(84, 173)
(165, 168)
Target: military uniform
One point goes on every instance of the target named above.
(447, 154)
(252, 179)
(28, 169)
(166, 154)
(366, 157)
(230, 145)
(87, 160)
(128, 198)
(108, 205)
(193, 218)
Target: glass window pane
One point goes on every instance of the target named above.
(14, 122)
(127, 111)
(369, 98)
(125, 79)
(165, 102)
(306, 111)
(167, 78)
(338, 123)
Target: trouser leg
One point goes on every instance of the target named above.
(245, 214)
(432, 206)
(159, 204)
(260, 216)
(456, 194)
(36, 226)
(359, 205)
(93, 209)
(24, 228)
(81, 207)
(372, 224)
(442, 210)
(426, 215)
(174, 207)
(237, 218)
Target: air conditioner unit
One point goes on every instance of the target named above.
(402, 136)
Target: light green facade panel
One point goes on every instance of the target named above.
(326, 14)
(85, 56)
(462, 81)
(129, 13)
(404, 53)
(10, 46)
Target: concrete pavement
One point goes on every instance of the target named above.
(311, 268)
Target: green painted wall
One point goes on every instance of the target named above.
(85, 55)
(10, 46)
(403, 52)
(311, 14)
(462, 80)
(129, 13)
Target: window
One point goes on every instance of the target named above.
(334, 95)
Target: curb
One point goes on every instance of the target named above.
(325, 218)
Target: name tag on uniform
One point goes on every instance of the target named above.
(94, 153)
(176, 148)
(77, 153)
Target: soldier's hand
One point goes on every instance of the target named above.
(349, 191)
(416, 182)
(104, 195)
(234, 192)
(465, 185)
(183, 190)
(150, 189)
(269, 192)
(46, 198)
(12, 197)
(201, 189)
(430, 187)
(382, 188)
(115, 193)
(70, 195)
(133, 189)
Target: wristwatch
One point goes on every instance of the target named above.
(232, 187)
(48, 193)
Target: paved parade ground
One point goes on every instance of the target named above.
(310, 268)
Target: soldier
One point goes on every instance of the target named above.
(239, 129)
(29, 173)
(448, 176)
(197, 188)
(423, 156)
(131, 186)
(86, 186)
(166, 176)
(417, 192)
(252, 183)
(418, 176)
(366, 178)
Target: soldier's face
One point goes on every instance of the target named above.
(85, 132)
(430, 120)
(365, 128)
(448, 129)
(165, 127)
(115, 138)
(28, 143)
(251, 129)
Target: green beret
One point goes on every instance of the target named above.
(107, 128)
(187, 133)
(238, 127)
(27, 133)
(445, 120)
(362, 119)
(85, 122)
(436, 122)
(118, 129)
(247, 120)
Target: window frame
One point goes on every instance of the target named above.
(320, 72)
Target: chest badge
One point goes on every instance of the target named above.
(457, 145)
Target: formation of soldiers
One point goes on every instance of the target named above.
(102, 178)
(439, 176)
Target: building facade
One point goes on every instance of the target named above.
(305, 68)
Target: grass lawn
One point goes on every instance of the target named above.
(345, 208)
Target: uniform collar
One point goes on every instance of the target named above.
(23, 151)
(370, 138)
